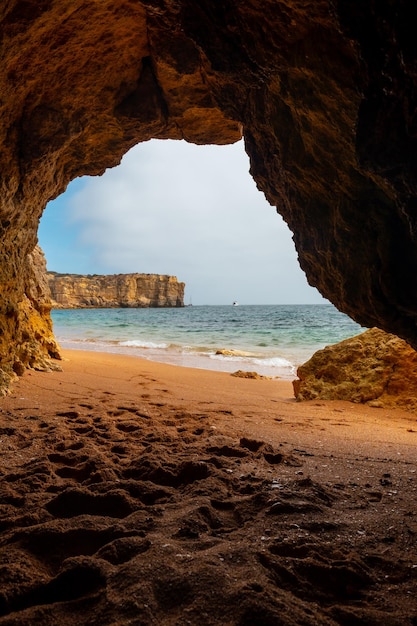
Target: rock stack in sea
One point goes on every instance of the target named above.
(76, 291)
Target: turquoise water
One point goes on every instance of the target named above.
(271, 340)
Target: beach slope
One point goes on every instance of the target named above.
(139, 493)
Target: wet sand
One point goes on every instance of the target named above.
(140, 493)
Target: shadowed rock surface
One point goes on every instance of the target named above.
(324, 93)
(69, 291)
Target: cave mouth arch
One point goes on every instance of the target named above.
(180, 209)
(330, 141)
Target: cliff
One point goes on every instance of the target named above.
(374, 367)
(74, 291)
(324, 93)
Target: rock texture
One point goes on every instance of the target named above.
(26, 337)
(74, 291)
(374, 367)
(324, 92)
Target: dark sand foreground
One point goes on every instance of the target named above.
(146, 494)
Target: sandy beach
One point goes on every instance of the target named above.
(135, 492)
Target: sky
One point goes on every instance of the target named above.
(175, 208)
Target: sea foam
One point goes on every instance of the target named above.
(138, 343)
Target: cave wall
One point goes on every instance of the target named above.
(323, 92)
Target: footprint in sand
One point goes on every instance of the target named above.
(69, 445)
(73, 502)
(69, 414)
(76, 467)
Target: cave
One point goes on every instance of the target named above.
(145, 499)
(323, 95)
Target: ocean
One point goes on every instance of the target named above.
(272, 340)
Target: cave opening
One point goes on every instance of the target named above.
(137, 494)
(175, 208)
(191, 212)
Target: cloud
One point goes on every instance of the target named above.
(190, 211)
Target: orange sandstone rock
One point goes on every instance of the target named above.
(374, 367)
(69, 291)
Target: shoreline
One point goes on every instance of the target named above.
(260, 404)
(223, 360)
(272, 340)
(140, 490)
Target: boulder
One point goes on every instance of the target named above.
(374, 367)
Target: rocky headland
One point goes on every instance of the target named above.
(75, 291)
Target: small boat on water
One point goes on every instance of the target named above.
(235, 303)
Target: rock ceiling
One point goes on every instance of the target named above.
(324, 93)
